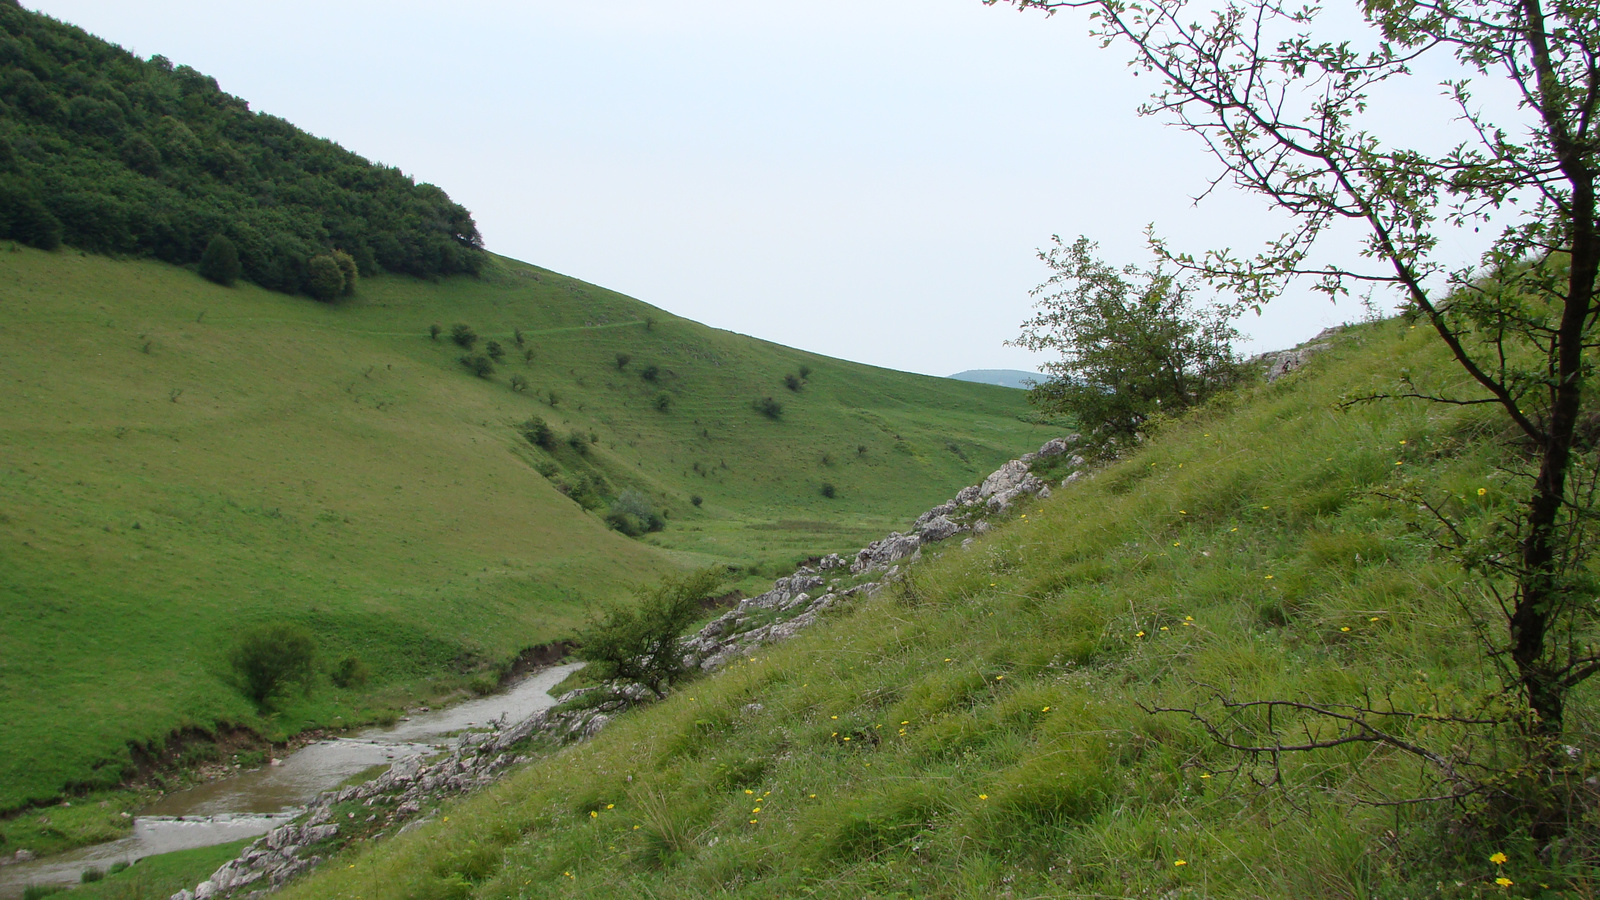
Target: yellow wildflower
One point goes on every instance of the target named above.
(1482, 491)
(1499, 859)
(1504, 881)
(1180, 862)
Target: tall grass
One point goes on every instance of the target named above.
(981, 730)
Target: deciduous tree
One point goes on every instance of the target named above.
(1283, 98)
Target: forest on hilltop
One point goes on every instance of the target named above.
(111, 153)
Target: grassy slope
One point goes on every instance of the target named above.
(179, 460)
(978, 732)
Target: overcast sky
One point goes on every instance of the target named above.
(867, 179)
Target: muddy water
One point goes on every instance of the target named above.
(252, 803)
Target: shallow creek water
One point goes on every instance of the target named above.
(254, 802)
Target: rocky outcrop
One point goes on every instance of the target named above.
(1282, 362)
(395, 799)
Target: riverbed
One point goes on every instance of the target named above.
(252, 803)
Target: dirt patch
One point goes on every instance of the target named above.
(535, 658)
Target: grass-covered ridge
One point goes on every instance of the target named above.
(981, 730)
(180, 462)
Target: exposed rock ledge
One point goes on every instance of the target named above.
(399, 796)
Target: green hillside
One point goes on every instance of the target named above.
(116, 154)
(985, 728)
(179, 461)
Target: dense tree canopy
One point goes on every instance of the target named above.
(115, 154)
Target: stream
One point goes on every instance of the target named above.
(252, 803)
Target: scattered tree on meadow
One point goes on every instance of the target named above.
(768, 407)
(269, 659)
(1133, 343)
(633, 514)
(463, 336)
(478, 364)
(639, 643)
(538, 433)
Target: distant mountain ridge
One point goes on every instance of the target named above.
(1011, 378)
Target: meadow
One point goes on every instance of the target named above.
(993, 725)
(180, 461)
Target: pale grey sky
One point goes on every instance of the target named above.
(862, 178)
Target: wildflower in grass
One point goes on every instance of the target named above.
(1235, 528)
(748, 791)
(611, 806)
(1504, 881)
(813, 796)
(1183, 512)
(1373, 619)
(1402, 443)
(1482, 491)
(1177, 543)
(1344, 628)
(1140, 634)
(983, 796)
(905, 723)
(1180, 862)
(756, 810)
(593, 814)
(1205, 775)
(1046, 709)
(1269, 578)
(1499, 859)
(999, 678)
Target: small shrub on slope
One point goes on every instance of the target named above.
(270, 659)
(639, 643)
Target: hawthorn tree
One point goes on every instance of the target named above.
(1285, 106)
(1133, 343)
(639, 643)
